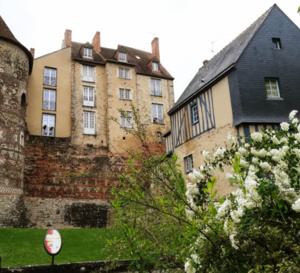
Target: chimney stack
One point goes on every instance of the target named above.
(96, 41)
(67, 42)
(155, 48)
(32, 52)
(205, 63)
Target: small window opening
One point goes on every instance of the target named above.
(23, 100)
(158, 134)
(277, 43)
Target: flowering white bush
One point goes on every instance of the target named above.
(261, 216)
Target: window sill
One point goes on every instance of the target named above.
(85, 80)
(91, 106)
(270, 98)
(156, 95)
(126, 99)
(50, 110)
(159, 123)
(45, 84)
(89, 134)
(194, 123)
(124, 78)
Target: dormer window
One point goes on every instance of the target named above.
(154, 66)
(122, 57)
(277, 43)
(87, 52)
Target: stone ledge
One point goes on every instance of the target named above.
(89, 267)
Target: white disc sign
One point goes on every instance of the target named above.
(52, 242)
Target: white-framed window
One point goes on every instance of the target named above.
(188, 163)
(87, 52)
(157, 113)
(124, 73)
(50, 76)
(122, 57)
(154, 66)
(88, 96)
(156, 87)
(194, 113)
(272, 87)
(88, 73)
(126, 119)
(89, 122)
(49, 99)
(48, 125)
(125, 94)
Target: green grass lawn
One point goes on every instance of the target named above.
(26, 246)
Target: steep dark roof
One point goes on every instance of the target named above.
(135, 57)
(6, 34)
(220, 63)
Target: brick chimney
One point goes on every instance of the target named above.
(96, 41)
(155, 48)
(67, 42)
(32, 52)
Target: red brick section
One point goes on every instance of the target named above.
(54, 168)
(96, 41)
(68, 38)
(155, 48)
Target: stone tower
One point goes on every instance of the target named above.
(15, 66)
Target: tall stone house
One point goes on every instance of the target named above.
(63, 137)
(251, 84)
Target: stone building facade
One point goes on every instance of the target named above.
(64, 127)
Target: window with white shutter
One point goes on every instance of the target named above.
(88, 73)
(126, 119)
(88, 96)
(89, 122)
(48, 125)
(157, 113)
(49, 98)
(125, 94)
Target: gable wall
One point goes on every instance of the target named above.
(260, 60)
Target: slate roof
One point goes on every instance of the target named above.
(137, 58)
(6, 34)
(220, 63)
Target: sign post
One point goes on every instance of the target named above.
(52, 243)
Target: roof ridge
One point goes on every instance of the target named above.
(222, 60)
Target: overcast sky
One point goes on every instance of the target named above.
(189, 31)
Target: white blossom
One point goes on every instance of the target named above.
(232, 240)
(293, 114)
(237, 214)
(219, 154)
(231, 139)
(275, 140)
(296, 206)
(188, 267)
(295, 120)
(265, 166)
(224, 208)
(206, 155)
(297, 136)
(256, 136)
(195, 258)
(284, 126)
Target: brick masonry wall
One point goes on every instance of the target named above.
(68, 185)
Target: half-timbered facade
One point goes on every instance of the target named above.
(252, 84)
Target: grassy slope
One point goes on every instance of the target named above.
(26, 246)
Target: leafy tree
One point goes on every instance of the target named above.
(256, 228)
